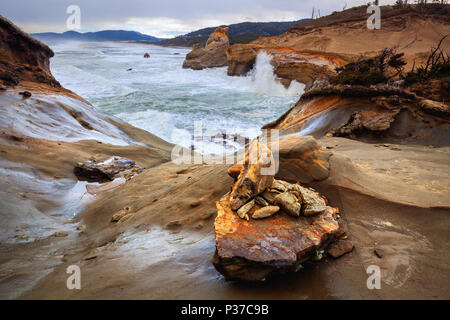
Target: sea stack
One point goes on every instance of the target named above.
(212, 55)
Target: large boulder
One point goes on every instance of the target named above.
(300, 158)
(109, 169)
(289, 64)
(266, 225)
(23, 58)
(212, 55)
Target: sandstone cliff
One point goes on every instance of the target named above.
(213, 55)
(413, 29)
(393, 200)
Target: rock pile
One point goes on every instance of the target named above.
(292, 199)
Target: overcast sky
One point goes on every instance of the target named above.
(160, 18)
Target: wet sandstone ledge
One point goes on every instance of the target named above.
(266, 226)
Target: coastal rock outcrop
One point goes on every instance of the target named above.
(212, 55)
(252, 180)
(266, 225)
(109, 169)
(346, 32)
(253, 249)
(394, 199)
(289, 64)
(301, 158)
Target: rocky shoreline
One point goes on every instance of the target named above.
(362, 171)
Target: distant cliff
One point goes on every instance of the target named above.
(238, 33)
(106, 35)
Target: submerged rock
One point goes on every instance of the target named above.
(25, 94)
(107, 170)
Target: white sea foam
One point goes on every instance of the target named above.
(164, 99)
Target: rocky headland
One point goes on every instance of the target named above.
(289, 64)
(212, 55)
(363, 177)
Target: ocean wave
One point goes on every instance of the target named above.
(159, 96)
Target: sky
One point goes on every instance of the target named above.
(161, 18)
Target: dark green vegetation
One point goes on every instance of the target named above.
(385, 66)
(244, 32)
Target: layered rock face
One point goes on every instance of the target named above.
(414, 29)
(212, 55)
(266, 225)
(109, 169)
(383, 113)
(289, 64)
(23, 57)
(394, 198)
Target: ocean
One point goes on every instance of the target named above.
(158, 95)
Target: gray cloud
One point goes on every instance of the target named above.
(158, 17)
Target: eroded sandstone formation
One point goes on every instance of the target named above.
(212, 55)
(267, 225)
(290, 64)
(109, 169)
(23, 58)
(375, 113)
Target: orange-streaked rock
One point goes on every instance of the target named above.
(252, 250)
(375, 114)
